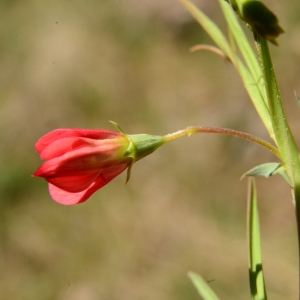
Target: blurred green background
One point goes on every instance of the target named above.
(82, 63)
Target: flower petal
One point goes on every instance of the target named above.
(57, 134)
(66, 198)
(64, 145)
(87, 159)
(69, 146)
(74, 183)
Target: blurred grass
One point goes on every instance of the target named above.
(82, 63)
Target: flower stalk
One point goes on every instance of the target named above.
(199, 129)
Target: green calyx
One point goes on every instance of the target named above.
(140, 145)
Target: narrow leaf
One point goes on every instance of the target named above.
(250, 83)
(283, 135)
(260, 102)
(256, 276)
(209, 26)
(244, 46)
(267, 170)
(202, 287)
(256, 97)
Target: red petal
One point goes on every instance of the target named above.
(57, 134)
(74, 184)
(67, 198)
(84, 160)
(64, 145)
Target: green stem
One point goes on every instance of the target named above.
(283, 135)
(199, 129)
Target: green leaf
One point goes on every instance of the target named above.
(256, 276)
(256, 96)
(283, 135)
(282, 172)
(267, 170)
(244, 46)
(202, 287)
(209, 26)
(250, 82)
(260, 101)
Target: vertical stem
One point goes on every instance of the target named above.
(283, 135)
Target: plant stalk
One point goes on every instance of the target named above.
(283, 135)
(199, 129)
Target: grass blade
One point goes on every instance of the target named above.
(256, 276)
(209, 26)
(244, 46)
(283, 135)
(202, 287)
(250, 82)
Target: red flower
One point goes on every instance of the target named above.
(79, 162)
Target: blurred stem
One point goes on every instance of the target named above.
(199, 129)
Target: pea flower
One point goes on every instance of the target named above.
(79, 162)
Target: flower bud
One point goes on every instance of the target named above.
(262, 21)
(79, 161)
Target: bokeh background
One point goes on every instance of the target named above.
(82, 63)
